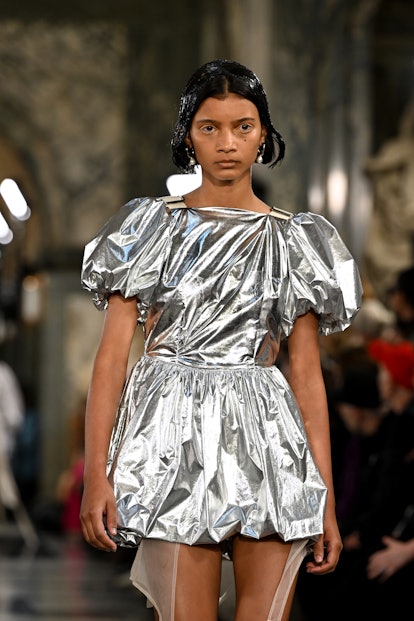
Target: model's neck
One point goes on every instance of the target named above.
(226, 194)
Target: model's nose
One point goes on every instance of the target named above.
(226, 141)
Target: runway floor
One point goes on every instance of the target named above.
(67, 580)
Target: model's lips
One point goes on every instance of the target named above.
(227, 163)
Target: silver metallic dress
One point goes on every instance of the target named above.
(208, 439)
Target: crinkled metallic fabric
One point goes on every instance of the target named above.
(209, 440)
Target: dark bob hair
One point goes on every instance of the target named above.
(213, 79)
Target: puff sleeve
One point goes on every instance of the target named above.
(128, 253)
(322, 275)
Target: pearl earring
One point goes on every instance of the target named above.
(260, 153)
(191, 157)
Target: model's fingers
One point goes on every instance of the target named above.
(331, 559)
(102, 539)
(93, 528)
(318, 551)
(111, 519)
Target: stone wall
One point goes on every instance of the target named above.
(86, 113)
(88, 100)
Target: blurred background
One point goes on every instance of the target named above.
(88, 100)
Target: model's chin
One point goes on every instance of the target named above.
(226, 173)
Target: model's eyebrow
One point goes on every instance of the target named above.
(243, 120)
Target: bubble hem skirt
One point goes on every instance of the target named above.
(199, 454)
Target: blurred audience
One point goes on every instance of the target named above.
(374, 320)
(25, 460)
(385, 575)
(400, 300)
(360, 409)
(12, 410)
(375, 492)
(60, 514)
(70, 483)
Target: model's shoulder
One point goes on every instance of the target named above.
(294, 218)
(276, 212)
(139, 201)
(140, 205)
(174, 201)
(306, 218)
(138, 212)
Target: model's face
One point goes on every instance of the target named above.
(225, 134)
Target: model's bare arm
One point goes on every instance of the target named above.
(107, 382)
(306, 379)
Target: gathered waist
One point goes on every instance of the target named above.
(190, 363)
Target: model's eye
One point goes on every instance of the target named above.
(245, 127)
(207, 129)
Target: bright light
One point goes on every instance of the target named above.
(6, 235)
(316, 198)
(31, 299)
(337, 186)
(178, 185)
(14, 199)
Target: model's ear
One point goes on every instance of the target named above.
(188, 142)
(263, 133)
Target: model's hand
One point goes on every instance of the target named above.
(326, 550)
(98, 514)
(385, 563)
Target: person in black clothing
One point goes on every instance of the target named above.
(358, 438)
(381, 517)
(359, 407)
(400, 298)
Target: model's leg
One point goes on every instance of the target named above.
(265, 574)
(198, 583)
(182, 582)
